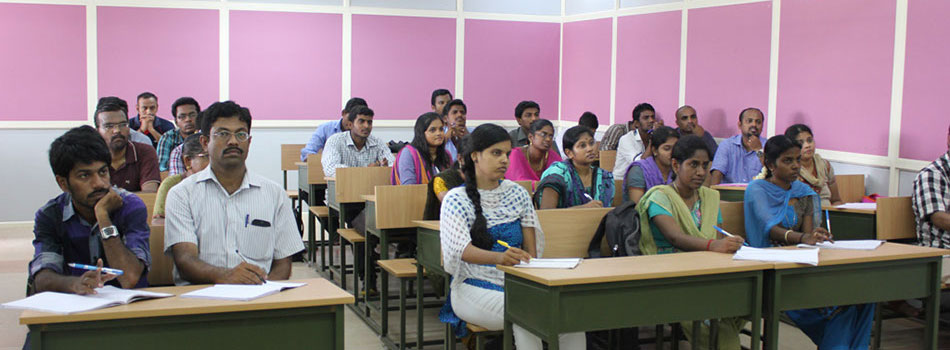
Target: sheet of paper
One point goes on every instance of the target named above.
(241, 292)
(801, 256)
(563, 263)
(734, 185)
(861, 244)
(864, 206)
(65, 303)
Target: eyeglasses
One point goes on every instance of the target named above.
(121, 126)
(225, 135)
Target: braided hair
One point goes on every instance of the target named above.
(483, 137)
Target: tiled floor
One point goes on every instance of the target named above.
(16, 250)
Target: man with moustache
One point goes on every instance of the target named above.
(688, 124)
(134, 166)
(242, 221)
(739, 158)
(635, 144)
(186, 111)
(90, 223)
(454, 113)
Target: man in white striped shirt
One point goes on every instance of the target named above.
(226, 224)
(357, 148)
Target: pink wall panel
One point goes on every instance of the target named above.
(43, 66)
(170, 52)
(287, 65)
(835, 65)
(923, 122)
(648, 64)
(586, 70)
(398, 61)
(507, 62)
(727, 63)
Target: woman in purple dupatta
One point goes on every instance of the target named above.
(654, 170)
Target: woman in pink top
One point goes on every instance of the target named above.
(529, 162)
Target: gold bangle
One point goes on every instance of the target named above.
(786, 235)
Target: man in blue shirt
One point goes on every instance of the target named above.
(739, 158)
(325, 130)
(147, 120)
(90, 223)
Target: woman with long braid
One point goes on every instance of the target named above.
(474, 219)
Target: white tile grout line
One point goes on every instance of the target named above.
(683, 37)
(347, 53)
(459, 50)
(224, 53)
(773, 69)
(560, 66)
(92, 61)
(897, 94)
(613, 65)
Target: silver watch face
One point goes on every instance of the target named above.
(109, 232)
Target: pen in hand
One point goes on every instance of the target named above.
(243, 258)
(727, 234)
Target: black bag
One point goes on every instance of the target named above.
(621, 226)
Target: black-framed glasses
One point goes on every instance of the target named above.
(225, 135)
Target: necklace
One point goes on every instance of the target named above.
(540, 167)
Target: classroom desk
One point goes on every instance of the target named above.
(429, 260)
(730, 192)
(893, 219)
(310, 180)
(312, 315)
(846, 277)
(632, 291)
(389, 214)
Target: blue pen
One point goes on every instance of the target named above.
(730, 235)
(93, 268)
(828, 220)
(246, 219)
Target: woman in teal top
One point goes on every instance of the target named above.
(574, 182)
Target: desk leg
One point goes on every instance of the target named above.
(757, 315)
(507, 340)
(384, 304)
(771, 313)
(932, 306)
(311, 238)
(419, 308)
(339, 327)
(697, 327)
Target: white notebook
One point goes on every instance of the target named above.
(861, 244)
(241, 292)
(562, 263)
(864, 206)
(801, 256)
(64, 303)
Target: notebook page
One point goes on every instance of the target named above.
(801, 256)
(863, 244)
(562, 263)
(60, 303)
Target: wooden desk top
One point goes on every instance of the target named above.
(729, 187)
(370, 197)
(886, 252)
(317, 292)
(300, 164)
(633, 268)
(429, 224)
(858, 211)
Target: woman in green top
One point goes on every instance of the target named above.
(195, 158)
(680, 217)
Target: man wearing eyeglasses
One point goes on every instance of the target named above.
(134, 166)
(242, 221)
(185, 110)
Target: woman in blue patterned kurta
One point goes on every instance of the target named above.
(575, 182)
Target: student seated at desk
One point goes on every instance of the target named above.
(931, 202)
(474, 219)
(195, 159)
(739, 158)
(654, 170)
(443, 182)
(574, 182)
(242, 222)
(784, 210)
(425, 156)
(357, 148)
(816, 172)
(90, 223)
(134, 166)
(325, 130)
(528, 162)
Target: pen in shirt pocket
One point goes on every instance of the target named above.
(247, 219)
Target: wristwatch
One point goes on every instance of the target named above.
(109, 232)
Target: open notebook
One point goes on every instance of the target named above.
(561, 263)
(801, 256)
(861, 244)
(63, 303)
(241, 292)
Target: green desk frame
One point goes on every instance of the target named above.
(848, 284)
(731, 194)
(320, 327)
(385, 236)
(548, 311)
(852, 225)
(325, 242)
(429, 258)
